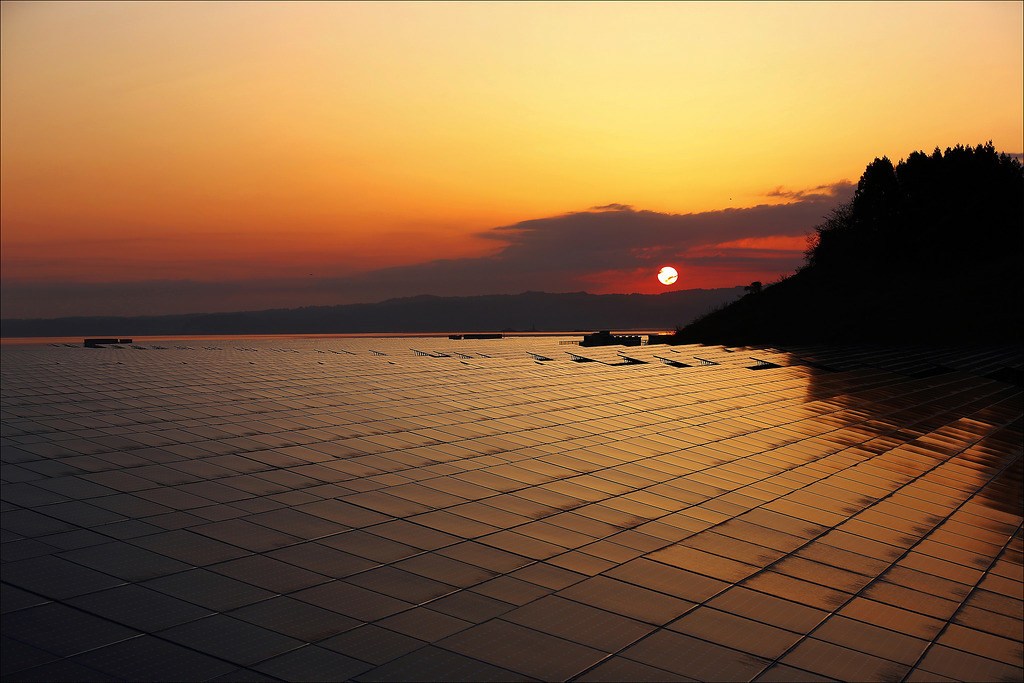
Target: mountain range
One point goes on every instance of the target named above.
(540, 311)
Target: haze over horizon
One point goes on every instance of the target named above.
(183, 158)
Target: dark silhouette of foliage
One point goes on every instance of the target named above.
(970, 197)
(931, 248)
(753, 288)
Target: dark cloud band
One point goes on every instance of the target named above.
(556, 254)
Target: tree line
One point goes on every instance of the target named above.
(930, 249)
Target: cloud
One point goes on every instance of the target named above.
(603, 249)
(612, 207)
(823, 193)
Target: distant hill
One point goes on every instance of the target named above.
(526, 311)
(928, 250)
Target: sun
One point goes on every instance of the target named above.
(667, 275)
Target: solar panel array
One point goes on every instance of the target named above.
(515, 509)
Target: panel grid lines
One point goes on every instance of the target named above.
(300, 505)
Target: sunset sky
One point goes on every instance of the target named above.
(186, 157)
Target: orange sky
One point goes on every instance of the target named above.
(228, 141)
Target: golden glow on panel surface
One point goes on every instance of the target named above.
(235, 140)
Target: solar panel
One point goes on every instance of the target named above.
(489, 508)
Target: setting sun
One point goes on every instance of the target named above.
(322, 151)
(667, 275)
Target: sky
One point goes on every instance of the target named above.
(196, 157)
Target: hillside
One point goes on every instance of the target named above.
(931, 249)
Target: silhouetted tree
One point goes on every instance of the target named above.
(826, 245)
(929, 214)
(930, 247)
(878, 193)
(753, 288)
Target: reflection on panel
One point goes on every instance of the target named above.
(378, 508)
